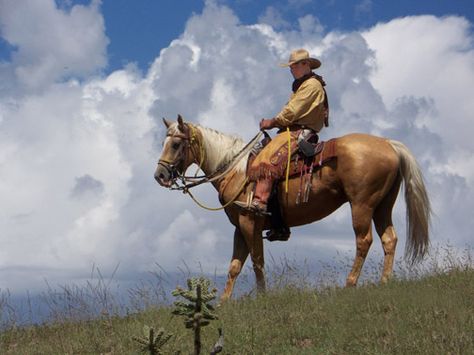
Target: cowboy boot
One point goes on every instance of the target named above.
(280, 234)
(260, 200)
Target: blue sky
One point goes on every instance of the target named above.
(84, 85)
(139, 29)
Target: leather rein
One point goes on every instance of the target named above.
(192, 181)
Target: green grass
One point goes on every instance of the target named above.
(430, 315)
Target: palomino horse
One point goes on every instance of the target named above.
(367, 173)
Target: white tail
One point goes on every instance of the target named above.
(417, 202)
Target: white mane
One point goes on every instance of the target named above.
(220, 149)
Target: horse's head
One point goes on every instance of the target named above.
(176, 155)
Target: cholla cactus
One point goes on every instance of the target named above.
(197, 311)
(152, 343)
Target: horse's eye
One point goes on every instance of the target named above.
(175, 146)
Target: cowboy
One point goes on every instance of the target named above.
(305, 114)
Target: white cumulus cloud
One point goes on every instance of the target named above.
(52, 43)
(78, 150)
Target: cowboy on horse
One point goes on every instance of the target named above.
(305, 114)
(362, 170)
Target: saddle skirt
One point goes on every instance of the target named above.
(274, 167)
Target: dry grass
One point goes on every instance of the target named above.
(425, 310)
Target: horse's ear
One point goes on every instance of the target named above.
(167, 123)
(180, 123)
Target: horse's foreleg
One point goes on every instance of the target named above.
(251, 227)
(239, 255)
(362, 224)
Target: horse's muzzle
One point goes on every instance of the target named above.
(163, 176)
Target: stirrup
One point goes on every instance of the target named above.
(280, 234)
(254, 207)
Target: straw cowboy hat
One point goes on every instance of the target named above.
(299, 55)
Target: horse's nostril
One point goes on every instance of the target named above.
(160, 177)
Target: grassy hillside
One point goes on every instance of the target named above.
(432, 315)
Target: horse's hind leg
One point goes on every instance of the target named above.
(386, 231)
(362, 224)
(239, 255)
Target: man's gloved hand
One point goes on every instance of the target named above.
(267, 123)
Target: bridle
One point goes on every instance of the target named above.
(190, 138)
(172, 167)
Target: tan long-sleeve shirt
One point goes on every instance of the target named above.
(305, 107)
